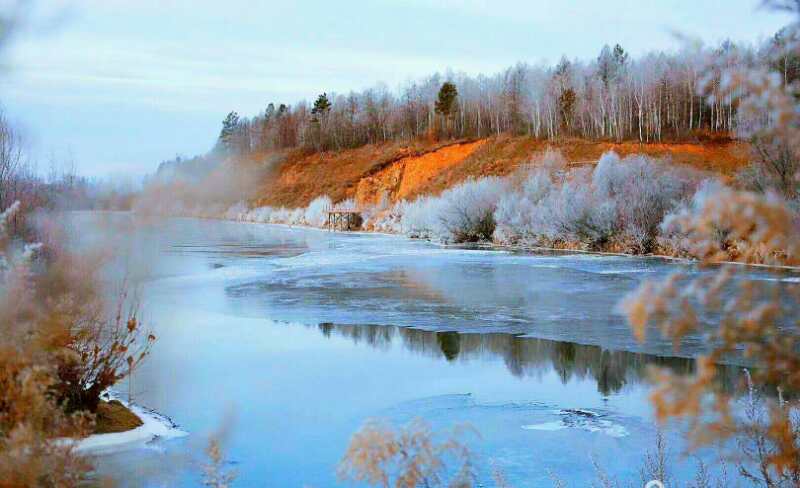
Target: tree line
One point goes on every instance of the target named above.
(656, 97)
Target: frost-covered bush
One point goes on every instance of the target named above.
(576, 213)
(643, 192)
(237, 211)
(466, 212)
(619, 204)
(420, 218)
(672, 237)
(289, 216)
(315, 214)
(609, 174)
(387, 220)
(516, 214)
(258, 214)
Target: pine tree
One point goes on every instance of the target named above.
(321, 106)
(446, 100)
(446, 104)
(620, 57)
(611, 63)
(228, 132)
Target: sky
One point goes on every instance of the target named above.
(116, 86)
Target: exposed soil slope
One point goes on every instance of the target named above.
(396, 171)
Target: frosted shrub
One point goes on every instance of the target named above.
(643, 192)
(420, 218)
(260, 215)
(315, 214)
(574, 213)
(237, 211)
(608, 175)
(278, 215)
(551, 162)
(673, 237)
(467, 211)
(287, 216)
(297, 216)
(510, 218)
(388, 220)
(515, 215)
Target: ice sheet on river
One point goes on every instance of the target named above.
(532, 416)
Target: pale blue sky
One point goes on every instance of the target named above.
(123, 84)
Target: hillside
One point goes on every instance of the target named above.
(402, 170)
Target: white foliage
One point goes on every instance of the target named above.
(607, 175)
(420, 218)
(315, 214)
(672, 235)
(388, 220)
(466, 212)
(575, 212)
(622, 200)
(238, 211)
(516, 214)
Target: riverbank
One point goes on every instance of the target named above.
(128, 426)
(496, 246)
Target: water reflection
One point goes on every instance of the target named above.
(528, 356)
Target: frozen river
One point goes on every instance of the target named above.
(290, 339)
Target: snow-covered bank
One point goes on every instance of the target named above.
(155, 427)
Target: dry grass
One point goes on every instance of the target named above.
(408, 457)
(113, 417)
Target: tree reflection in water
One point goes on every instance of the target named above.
(528, 356)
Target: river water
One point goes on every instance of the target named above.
(287, 340)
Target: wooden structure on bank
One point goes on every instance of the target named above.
(344, 220)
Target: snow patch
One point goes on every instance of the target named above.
(155, 428)
(546, 426)
(780, 280)
(577, 418)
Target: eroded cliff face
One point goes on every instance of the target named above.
(395, 171)
(406, 178)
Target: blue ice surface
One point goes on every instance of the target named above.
(292, 339)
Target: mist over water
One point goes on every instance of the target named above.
(295, 337)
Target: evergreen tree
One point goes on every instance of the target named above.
(321, 106)
(611, 63)
(446, 101)
(566, 93)
(228, 132)
(620, 57)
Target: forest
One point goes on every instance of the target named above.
(656, 97)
